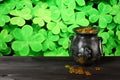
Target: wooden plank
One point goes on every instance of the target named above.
(52, 68)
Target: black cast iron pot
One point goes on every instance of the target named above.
(86, 46)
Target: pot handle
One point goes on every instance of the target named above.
(100, 46)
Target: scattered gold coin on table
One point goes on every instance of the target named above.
(79, 70)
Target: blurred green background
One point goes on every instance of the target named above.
(43, 27)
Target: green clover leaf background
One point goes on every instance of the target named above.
(20, 16)
(5, 37)
(50, 40)
(4, 10)
(64, 40)
(101, 15)
(57, 27)
(41, 14)
(43, 27)
(25, 36)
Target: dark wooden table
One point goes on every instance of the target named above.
(52, 68)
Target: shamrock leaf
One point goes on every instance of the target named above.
(27, 37)
(57, 52)
(71, 4)
(62, 52)
(49, 42)
(118, 34)
(64, 41)
(77, 18)
(86, 9)
(113, 2)
(5, 37)
(66, 9)
(105, 37)
(111, 26)
(56, 27)
(5, 52)
(20, 16)
(111, 44)
(115, 9)
(118, 27)
(71, 27)
(117, 52)
(106, 50)
(66, 4)
(111, 33)
(117, 18)
(7, 7)
(41, 14)
(4, 19)
(23, 3)
(68, 15)
(23, 50)
(116, 12)
(55, 13)
(80, 2)
(17, 21)
(4, 10)
(80, 19)
(101, 15)
(67, 12)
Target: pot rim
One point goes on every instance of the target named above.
(94, 28)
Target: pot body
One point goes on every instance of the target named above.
(86, 48)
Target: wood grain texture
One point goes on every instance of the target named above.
(52, 68)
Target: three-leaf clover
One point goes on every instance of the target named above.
(42, 14)
(85, 9)
(5, 37)
(20, 4)
(55, 13)
(70, 17)
(105, 36)
(71, 4)
(64, 40)
(113, 2)
(101, 15)
(20, 16)
(57, 27)
(117, 52)
(66, 9)
(4, 19)
(66, 4)
(80, 2)
(26, 40)
(111, 44)
(4, 10)
(118, 34)
(71, 27)
(80, 20)
(115, 11)
(111, 26)
(50, 40)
